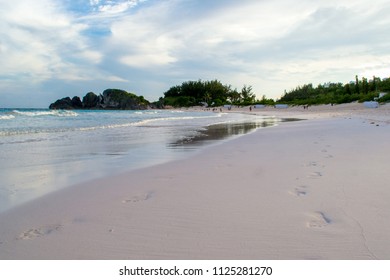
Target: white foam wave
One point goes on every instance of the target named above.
(7, 117)
(174, 119)
(58, 113)
(170, 121)
(146, 112)
(145, 122)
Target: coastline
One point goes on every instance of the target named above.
(46, 150)
(313, 189)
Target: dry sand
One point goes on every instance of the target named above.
(313, 189)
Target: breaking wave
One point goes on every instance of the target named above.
(57, 113)
(7, 117)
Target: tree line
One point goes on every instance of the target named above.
(336, 93)
(210, 93)
(214, 93)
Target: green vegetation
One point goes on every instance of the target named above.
(212, 93)
(123, 98)
(359, 90)
(384, 99)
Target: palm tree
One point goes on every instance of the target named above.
(247, 94)
(207, 97)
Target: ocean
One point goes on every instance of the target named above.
(45, 150)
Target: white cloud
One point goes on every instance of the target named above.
(42, 42)
(142, 40)
(223, 35)
(310, 42)
(117, 8)
(147, 60)
(116, 79)
(94, 2)
(112, 8)
(270, 44)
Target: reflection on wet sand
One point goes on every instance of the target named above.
(220, 132)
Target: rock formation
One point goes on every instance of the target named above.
(112, 99)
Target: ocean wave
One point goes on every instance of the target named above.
(7, 117)
(143, 122)
(145, 112)
(26, 131)
(57, 113)
(150, 121)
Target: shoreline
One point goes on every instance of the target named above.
(354, 109)
(43, 151)
(314, 189)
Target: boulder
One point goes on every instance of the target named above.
(90, 100)
(76, 102)
(62, 104)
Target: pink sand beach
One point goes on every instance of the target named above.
(312, 189)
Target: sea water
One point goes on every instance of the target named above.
(44, 150)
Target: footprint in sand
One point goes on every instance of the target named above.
(39, 232)
(318, 220)
(300, 191)
(312, 163)
(138, 198)
(315, 175)
(78, 220)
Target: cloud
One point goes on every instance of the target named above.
(117, 8)
(41, 41)
(148, 46)
(295, 45)
(153, 59)
(112, 8)
(332, 43)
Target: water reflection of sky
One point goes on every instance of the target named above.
(221, 131)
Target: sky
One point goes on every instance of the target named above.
(50, 49)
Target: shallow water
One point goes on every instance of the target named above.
(44, 150)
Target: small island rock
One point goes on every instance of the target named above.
(111, 99)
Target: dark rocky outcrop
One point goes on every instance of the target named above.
(67, 104)
(120, 99)
(91, 101)
(76, 102)
(111, 99)
(64, 103)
